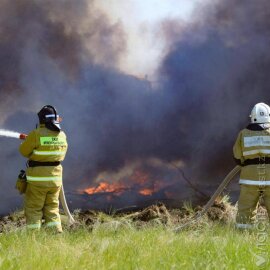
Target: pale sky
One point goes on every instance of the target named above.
(141, 20)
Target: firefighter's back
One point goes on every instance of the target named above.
(45, 167)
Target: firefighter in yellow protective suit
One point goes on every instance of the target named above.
(45, 147)
(252, 151)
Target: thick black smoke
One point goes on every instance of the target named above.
(215, 72)
(64, 53)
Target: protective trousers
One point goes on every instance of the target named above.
(42, 202)
(247, 203)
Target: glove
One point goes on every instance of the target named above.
(21, 183)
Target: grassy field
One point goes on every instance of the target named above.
(142, 240)
(114, 246)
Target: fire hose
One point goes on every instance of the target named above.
(221, 187)
(63, 201)
(62, 196)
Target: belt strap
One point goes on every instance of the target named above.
(32, 163)
(256, 161)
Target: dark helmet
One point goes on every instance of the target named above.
(48, 116)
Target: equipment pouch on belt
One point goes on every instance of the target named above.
(21, 183)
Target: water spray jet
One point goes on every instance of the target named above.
(12, 134)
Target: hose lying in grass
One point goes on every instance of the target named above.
(221, 187)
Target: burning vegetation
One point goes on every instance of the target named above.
(65, 52)
(135, 186)
(139, 182)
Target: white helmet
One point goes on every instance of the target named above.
(260, 113)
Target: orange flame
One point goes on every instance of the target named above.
(104, 187)
(139, 181)
(146, 192)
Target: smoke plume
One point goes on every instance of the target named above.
(65, 53)
(215, 72)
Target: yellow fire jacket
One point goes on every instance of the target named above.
(253, 144)
(44, 145)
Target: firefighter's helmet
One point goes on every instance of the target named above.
(260, 113)
(48, 116)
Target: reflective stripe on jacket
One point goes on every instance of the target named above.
(44, 145)
(252, 144)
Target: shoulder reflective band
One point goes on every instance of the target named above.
(49, 153)
(254, 182)
(52, 141)
(256, 151)
(40, 178)
(257, 141)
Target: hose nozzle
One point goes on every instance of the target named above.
(23, 136)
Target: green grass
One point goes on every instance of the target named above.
(113, 246)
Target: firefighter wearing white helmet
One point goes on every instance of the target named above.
(260, 114)
(252, 151)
